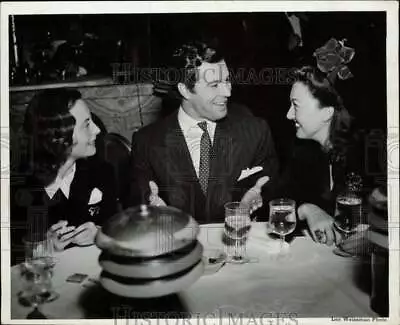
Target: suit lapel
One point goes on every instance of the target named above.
(224, 160)
(178, 160)
(225, 152)
(225, 168)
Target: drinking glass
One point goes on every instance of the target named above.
(237, 227)
(348, 213)
(37, 272)
(282, 219)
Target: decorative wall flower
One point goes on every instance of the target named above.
(333, 57)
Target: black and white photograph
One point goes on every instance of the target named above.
(200, 162)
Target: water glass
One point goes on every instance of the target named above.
(282, 218)
(38, 245)
(348, 213)
(236, 229)
(37, 271)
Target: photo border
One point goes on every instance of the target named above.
(391, 8)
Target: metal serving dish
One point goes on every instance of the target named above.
(147, 231)
(152, 268)
(149, 251)
(141, 288)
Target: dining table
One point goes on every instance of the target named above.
(307, 280)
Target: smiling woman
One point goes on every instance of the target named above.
(321, 166)
(85, 131)
(318, 111)
(56, 196)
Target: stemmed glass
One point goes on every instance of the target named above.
(282, 219)
(36, 273)
(237, 227)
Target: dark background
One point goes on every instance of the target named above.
(250, 40)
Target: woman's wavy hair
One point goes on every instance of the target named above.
(49, 123)
(340, 130)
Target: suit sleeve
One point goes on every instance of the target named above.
(109, 204)
(265, 156)
(140, 171)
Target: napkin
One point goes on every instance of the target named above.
(249, 171)
(96, 196)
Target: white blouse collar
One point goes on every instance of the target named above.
(61, 183)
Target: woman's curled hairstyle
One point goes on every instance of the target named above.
(49, 123)
(323, 90)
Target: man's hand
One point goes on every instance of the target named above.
(253, 196)
(85, 234)
(154, 199)
(319, 223)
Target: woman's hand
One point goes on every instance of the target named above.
(319, 223)
(61, 234)
(85, 234)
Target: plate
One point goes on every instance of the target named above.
(151, 289)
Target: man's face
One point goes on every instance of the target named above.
(209, 97)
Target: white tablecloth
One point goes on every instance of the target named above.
(311, 282)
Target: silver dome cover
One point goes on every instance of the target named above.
(147, 231)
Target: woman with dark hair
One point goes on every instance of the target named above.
(326, 152)
(319, 112)
(68, 192)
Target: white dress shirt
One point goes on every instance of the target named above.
(192, 133)
(63, 184)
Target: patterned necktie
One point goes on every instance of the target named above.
(205, 147)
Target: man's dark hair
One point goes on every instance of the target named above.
(187, 58)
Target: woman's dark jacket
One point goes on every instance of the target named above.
(306, 178)
(33, 210)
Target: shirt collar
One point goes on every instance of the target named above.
(61, 183)
(187, 122)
